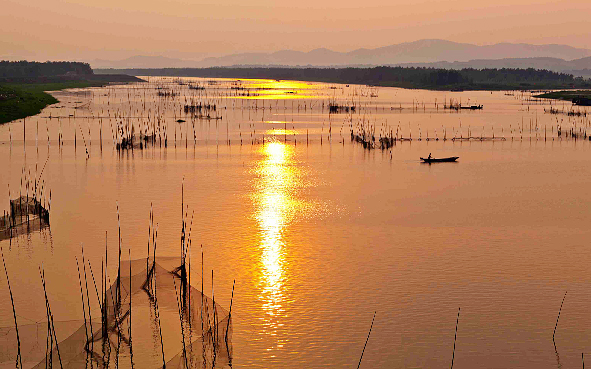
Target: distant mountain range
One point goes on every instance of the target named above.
(435, 53)
(141, 61)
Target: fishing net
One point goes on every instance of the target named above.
(158, 319)
(26, 215)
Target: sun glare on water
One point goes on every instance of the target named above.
(276, 206)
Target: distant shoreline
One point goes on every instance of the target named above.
(403, 77)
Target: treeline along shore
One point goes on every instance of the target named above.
(406, 77)
(23, 84)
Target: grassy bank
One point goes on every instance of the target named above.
(23, 84)
(577, 97)
(25, 96)
(566, 95)
(22, 100)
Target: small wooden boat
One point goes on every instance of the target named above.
(472, 107)
(440, 160)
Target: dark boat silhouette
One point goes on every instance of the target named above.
(440, 160)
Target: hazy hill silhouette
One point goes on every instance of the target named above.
(436, 53)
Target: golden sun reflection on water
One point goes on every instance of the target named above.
(279, 90)
(280, 132)
(275, 207)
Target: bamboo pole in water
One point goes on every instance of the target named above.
(95, 288)
(83, 304)
(455, 337)
(179, 305)
(367, 339)
(202, 288)
(558, 317)
(105, 297)
(229, 319)
(159, 323)
(50, 324)
(129, 324)
(19, 360)
(119, 262)
(149, 234)
(88, 301)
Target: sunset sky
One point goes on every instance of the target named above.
(115, 29)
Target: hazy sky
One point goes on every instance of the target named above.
(116, 29)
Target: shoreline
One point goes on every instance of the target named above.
(25, 97)
(576, 96)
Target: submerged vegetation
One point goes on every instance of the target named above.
(406, 77)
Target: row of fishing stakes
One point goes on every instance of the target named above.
(138, 114)
(456, 336)
(364, 131)
(453, 355)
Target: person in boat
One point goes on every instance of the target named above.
(429, 157)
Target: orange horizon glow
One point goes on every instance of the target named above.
(89, 29)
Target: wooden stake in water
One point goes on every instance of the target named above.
(105, 296)
(19, 360)
(159, 323)
(50, 324)
(189, 294)
(453, 355)
(558, 317)
(202, 293)
(83, 304)
(367, 339)
(88, 301)
(119, 262)
(179, 305)
(95, 287)
(149, 234)
(130, 293)
(229, 319)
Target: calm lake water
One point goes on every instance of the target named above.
(318, 232)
